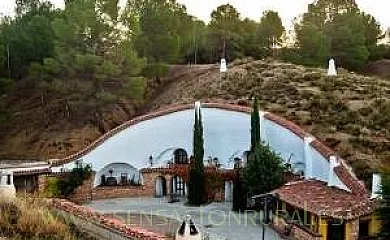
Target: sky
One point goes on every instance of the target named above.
(288, 9)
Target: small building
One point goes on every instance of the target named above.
(311, 209)
(23, 175)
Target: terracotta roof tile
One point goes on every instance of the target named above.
(322, 148)
(286, 124)
(32, 172)
(350, 181)
(316, 197)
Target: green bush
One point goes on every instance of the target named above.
(264, 170)
(63, 187)
(76, 179)
(53, 188)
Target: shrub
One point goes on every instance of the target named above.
(76, 179)
(33, 221)
(264, 170)
(53, 188)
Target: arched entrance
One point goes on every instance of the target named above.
(178, 186)
(161, 186)
(118, 174)
(180, 156)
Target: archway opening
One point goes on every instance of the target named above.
(180, 156)
(118, 174)
(161, 186)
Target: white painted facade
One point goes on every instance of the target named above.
(226, 136)
(7, 188)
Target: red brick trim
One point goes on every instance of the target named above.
(324, 150)
(297, 130)
(172, 109)
(351, 182)
(109, 134)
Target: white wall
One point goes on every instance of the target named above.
(117, 169)
(283, 141)
(226, 135)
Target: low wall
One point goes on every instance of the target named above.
(86, 192)
(97, 224)
(106, 192)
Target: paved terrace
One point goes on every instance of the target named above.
(216, 219)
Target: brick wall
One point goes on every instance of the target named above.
(107, 192)
(87, 192)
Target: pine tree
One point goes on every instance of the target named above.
(255, 125)
(196, 185)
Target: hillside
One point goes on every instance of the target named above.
(351, 113)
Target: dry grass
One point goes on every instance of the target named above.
(29, 218)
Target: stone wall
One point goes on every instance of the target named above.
(83, 193)
(294, 231)
(302, 233)
(106, 192)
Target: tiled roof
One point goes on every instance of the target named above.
(350, 181)
(32, 171)
(316, 197)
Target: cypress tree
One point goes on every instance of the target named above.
(196, 184)
(239, 190)
(239, 195)
(255, 125)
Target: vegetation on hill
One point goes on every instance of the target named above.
(350, 112)
(69, 75)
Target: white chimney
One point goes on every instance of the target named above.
(332, 68)
(376, 185)
(223, 68)
(331, 175)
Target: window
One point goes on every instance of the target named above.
(179, 185)
(8, 179)
(180, 156)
